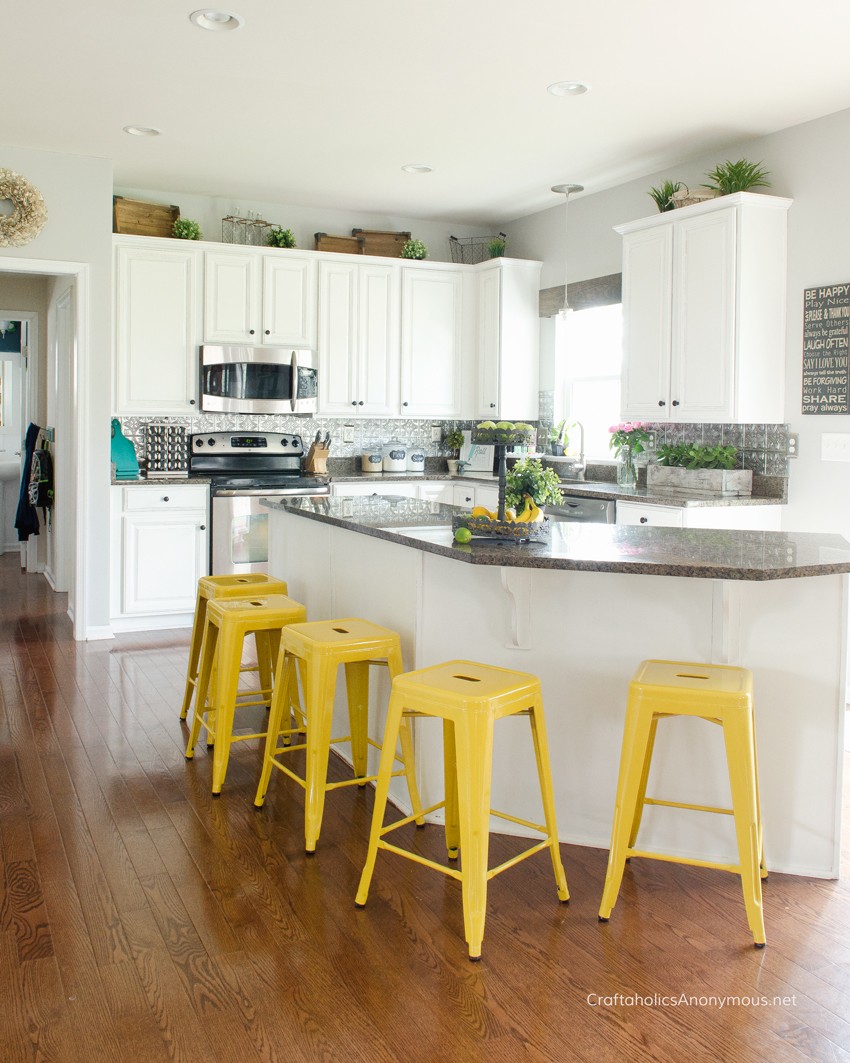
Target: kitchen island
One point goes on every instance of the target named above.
(580, 612)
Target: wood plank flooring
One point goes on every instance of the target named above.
(143, 920)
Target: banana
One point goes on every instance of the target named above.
(510, 515)
(524, 516)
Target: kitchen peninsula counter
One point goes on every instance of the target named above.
(581, 612)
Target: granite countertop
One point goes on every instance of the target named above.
(692, 552)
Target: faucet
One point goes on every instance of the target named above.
(578, 466)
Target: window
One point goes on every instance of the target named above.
(588, 358)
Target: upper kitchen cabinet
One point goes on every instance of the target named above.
(253, 298)
(359, 338)
(434, 336)
(157, 326)
(704, 312)
(508, 340)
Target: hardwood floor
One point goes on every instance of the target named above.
(142, 920)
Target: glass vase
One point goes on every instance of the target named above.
(626, 469)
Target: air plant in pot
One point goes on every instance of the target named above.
(729, 177)
(663, 195)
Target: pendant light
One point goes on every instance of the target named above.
(566, 191)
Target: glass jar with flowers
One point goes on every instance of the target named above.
(628, 439)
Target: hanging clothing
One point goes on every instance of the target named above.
(26, 519)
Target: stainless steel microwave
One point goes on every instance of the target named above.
(258, 380)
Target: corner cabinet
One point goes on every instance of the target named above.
(508, 340)
(160, 549)
(359, 338)
(157, 326)
(704, 291)
(258, 299)
(434, 333)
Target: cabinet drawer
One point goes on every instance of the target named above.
(164, 497)
(650, 516)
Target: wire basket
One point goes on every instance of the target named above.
(251, 231)
(472, 249)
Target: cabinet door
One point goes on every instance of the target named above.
(338, 377)
(378, 346)
(164, 557)
(437, 491)
(702, 367)
(488, 406)
(431, 342)
(157, 330)
(508, 341)
(647, 307)
(487, 496)
(289, 300)
(654, 516)
(232, 297)
(463, 495)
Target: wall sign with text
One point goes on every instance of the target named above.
(826, 349)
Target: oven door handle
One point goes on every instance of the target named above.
(265, 492)
(293, 374)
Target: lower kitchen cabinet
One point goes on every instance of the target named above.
(467, 495)
(397, 487)
(160, 549)
(758, 518)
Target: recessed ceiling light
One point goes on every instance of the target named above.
(568, 88)
(142, 131)
(417, 167)
(206, 19)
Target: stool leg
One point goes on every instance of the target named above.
(357, 689)
(229, 661)
(632, 761)
(544, 774)
(194, 653)
(644, 777)
(450, 784)
(208, 649)
(277, 716)
(474, 742)
(738, 734)
(265, 657)
(320, 682)
(408, 759)
(382, 789)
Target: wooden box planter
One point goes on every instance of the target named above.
(705, 481)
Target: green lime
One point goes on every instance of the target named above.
(463, 535)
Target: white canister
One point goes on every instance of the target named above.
(372, 459)
(416, 459)
(395, 456)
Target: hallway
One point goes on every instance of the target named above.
(142, 920)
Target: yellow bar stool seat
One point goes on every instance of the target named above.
(228, 623)
(469, 698)
(319, 648)
(214, 588)
(720, 694)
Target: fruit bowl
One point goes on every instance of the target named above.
(503, 432)
(505, 530)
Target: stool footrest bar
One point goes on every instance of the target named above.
(735, 869)
(694, 808)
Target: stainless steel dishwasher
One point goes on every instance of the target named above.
(588, 510)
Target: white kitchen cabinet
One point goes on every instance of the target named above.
(260, 298)
(436, 491)
(160, 549)
(157, 325)
(404, 488)
(433, 327)
(508, 340)
(359, 306)
(467, 495)
(757, 518)
(704, 312)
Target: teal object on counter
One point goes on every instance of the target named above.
(123, 454)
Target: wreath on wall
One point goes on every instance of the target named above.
(29, 213)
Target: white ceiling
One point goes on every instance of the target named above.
(319, 103)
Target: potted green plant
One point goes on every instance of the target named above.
(279, 237)
(695, 467)
(558, 438)
(529, 477)
(497, 246)
(453, 441)
(728, 177)
(186, 229)
(414, 249)
(663, 195)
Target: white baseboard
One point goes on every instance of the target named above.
(95, 634)
(155, 622)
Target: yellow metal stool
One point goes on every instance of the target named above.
(227, 625)
(469, 698)
(320, 648)
(216, 588)
(720, 694)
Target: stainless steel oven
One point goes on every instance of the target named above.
(244, 468)
(264, 380)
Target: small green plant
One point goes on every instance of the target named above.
(663, 195)
(186, 229)
(497, 246)
(729, 177)
(529, 476)
(281, 237)
(414, 249)
(453, 440)
(696, 456)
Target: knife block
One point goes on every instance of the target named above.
(316, 463)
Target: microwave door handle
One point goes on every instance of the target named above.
(293, 373)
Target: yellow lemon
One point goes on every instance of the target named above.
(463, 535)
